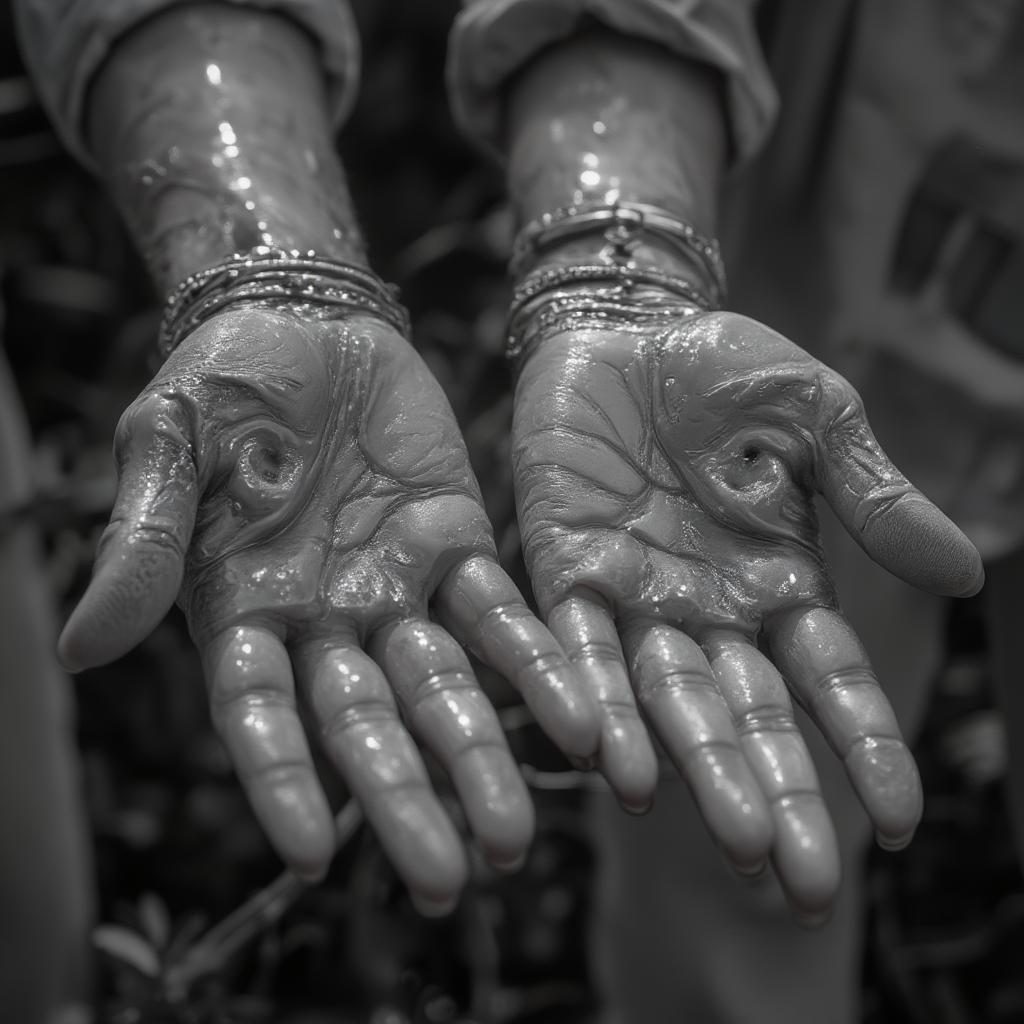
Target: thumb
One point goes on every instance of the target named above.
(889, 517)
(141, 555)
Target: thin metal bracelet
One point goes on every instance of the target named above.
(624, 226)
(276, 276)
(620, 295)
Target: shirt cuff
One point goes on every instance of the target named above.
(64, 43)
(493, 39)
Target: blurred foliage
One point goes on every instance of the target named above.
(177, 849)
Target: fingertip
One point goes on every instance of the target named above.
(91, 635)
(889, 786)
(300, 828)
(432, 907)
(570, 716)
(126, 599)
(741, 825)
(630, 767)
(920, 544)
(421, 842)
(893, 844)
(507, 867)
(806, 858)
(70, 655)
(311, 874)
(812, 922)
(497, 804)
(752, 872)
(976, 580)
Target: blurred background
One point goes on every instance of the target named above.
(175, 849)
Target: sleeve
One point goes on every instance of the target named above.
(64, 43)
(492, 39)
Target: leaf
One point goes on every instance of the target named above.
(127, 946)
(154, 919)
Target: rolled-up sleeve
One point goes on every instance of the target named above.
(64, 43)
(492, 39)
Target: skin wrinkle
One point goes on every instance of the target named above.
(313, 455)
(684, 405)
(765, 718)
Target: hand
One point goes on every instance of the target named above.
(304, 484)
(665, 485)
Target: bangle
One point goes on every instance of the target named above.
(626, 296)
(623, 224)
(276, 277)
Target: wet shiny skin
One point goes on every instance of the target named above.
(665, 488)
(304, 482)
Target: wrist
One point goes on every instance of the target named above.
(304, 284)
(623, 298)
(210, 124)
(605, 118)
(624, 236)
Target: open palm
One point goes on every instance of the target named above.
(665, 488)
(303, 484)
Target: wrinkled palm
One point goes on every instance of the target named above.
(665, 486)
(304, 486)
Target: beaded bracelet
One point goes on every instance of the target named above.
(623, 225)
(276, 276)
(620, 294)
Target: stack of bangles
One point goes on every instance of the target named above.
(624, 293)
(621, 292)
(275, 277)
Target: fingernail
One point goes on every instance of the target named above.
(811, 921)
(636, 808)
(433, 908)
(312, 876)
(508, 866)
(750, 872)
(893, 845)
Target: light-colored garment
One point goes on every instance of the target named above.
(837, 124)
(492, 39)
(64, 43)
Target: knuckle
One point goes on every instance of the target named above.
(684, 683)
(441, 684)
(234, 696)
(765, 718)
(595, 652)
(278, 774)
(360, 714)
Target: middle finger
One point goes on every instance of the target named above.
(678, 692)
(435, 684)
(806, 855)
(353, 704)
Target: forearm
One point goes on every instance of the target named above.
(210, 125)
(602, 117)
